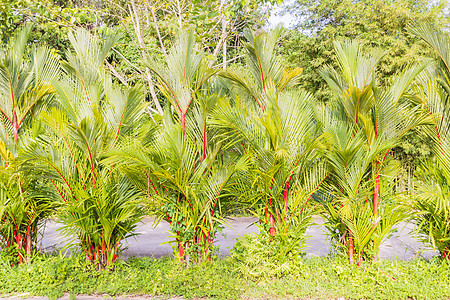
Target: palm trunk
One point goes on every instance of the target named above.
(272, 225)
(376, 192)
(376, 196)
(15, 128)
(180, 250)
(183, 125)
(446, 253)
(28, 248)
(205, 142)
(19, 246)
(351, 249)
(188, 258)
(286, 198)
(271, 219)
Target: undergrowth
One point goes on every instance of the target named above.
(314, 278)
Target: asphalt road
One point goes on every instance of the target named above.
(152, 241)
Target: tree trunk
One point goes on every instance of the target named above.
(163, 48)
(188, 258)
(183, 125)
(376, 193)
(224, 34)
(137, 29)
(271, 218)
(180, 15)
(15, 128)
(286, 197)
(151, 87)
(28, 248)
(376, 196)
(272, 225)
(351, 251)
(180, 250)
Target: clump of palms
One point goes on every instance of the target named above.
(24, 205)
(432, 204)
(98, 206)
(25, 91)
(181, 163)
(364, 122)
(433, 177)
(346, 198)
(276, 128)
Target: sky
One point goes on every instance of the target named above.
(276, 16)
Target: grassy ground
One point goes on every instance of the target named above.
(314, 278)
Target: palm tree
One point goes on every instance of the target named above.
(25, 91)
(382, 113)
(433, 94)
(346, 195)
(97, 205)
(366, 122)
(179, 161)
(277, 128)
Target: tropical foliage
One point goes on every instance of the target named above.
(365, 123)
(97, 205)
(432, 89)
(25, 90)
(80, 141)
(275, 127)
(182, 163)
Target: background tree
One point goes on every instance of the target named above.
(375, 24)
(51, 19)
(150, 27)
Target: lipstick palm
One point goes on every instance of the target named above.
(25, 90)
(98, 206)
(376, 118)
(181, 163)
(265, 75)
(24, 86)
(277, 128)
(433, 93)
(183, 75)
(346, 196)
(191, 190)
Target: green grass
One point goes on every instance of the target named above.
(317, 278)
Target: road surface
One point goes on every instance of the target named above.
(152, 241)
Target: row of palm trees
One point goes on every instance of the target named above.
(77, 145)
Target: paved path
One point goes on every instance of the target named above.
(150, 241)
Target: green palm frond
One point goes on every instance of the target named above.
(184, 74)
(25, 84)
(439, 40)
(364, 122)
(266, 77)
